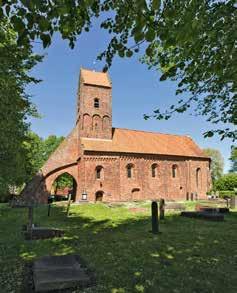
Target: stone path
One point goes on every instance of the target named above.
(59, 272)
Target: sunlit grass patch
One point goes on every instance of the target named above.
(117, 244)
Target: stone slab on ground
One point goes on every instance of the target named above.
(59, 272)
(212, 209)
(43, 233)
(175, 206)
(217, 217)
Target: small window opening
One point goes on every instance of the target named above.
(174, 171)
(96, 103)
(99, 172)
(154, 170)
(129, 171)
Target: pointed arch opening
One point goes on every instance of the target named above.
(64, 185)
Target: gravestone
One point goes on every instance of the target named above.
(60, 272)
(217, 217)
(154, 217)
(233, 202)
(162, 209)
(68, 204)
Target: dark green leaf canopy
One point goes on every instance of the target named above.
(192, 42)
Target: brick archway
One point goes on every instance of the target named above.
(50, 178)
(55, 190)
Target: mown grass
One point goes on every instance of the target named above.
(188, 256)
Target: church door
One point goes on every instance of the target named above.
(99, 196)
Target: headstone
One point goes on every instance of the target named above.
(154, 217)
(43, 233)
(68, 204)
(50, 201)
(59, 272)
(187, 196)
(233, 202)
(217, 217)
(162, 209)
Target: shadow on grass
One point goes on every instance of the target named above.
(189, 255)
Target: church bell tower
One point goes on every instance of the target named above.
(94, 105)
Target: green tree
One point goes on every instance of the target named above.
(226, 182)
(49, 146)
(38, 151)
(65, 180)
(217, 163)
(35, 147)
(16, 62)
(233, 159)
(192, 42)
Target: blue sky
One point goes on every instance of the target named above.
(136, 91)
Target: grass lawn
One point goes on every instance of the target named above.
(190, 255)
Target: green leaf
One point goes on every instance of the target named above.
(18, 24)
(155, 4)
(46, 39)
(150, 35)
(138, 36)
(129, 53)
(163, 77)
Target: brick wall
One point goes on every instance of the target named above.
(116, 186)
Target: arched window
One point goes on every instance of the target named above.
(96, 103)
(154, 169)
(130, 170)
(99, 172)
(198, 175)
(174, 171)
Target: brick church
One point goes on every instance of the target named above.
(115, 164)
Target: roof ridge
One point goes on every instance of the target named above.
(92, 70)
(154, 132)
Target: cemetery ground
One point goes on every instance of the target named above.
(189, 255)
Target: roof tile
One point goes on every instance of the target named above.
(142, 142)
(95, 78)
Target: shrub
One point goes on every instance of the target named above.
(226, 182)
(5, 197)
(227, 193)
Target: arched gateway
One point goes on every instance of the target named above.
(118, 161)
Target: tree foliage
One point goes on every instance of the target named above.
(16, 62)
(233, 159)
(63, 181)
(226, 182)
(39, 150)
(193, 42)
(217, 163)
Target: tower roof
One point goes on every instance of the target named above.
(95, 78)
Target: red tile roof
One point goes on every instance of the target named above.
(95, 78)
(142, 142)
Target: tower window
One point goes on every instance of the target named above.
(96, 103)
